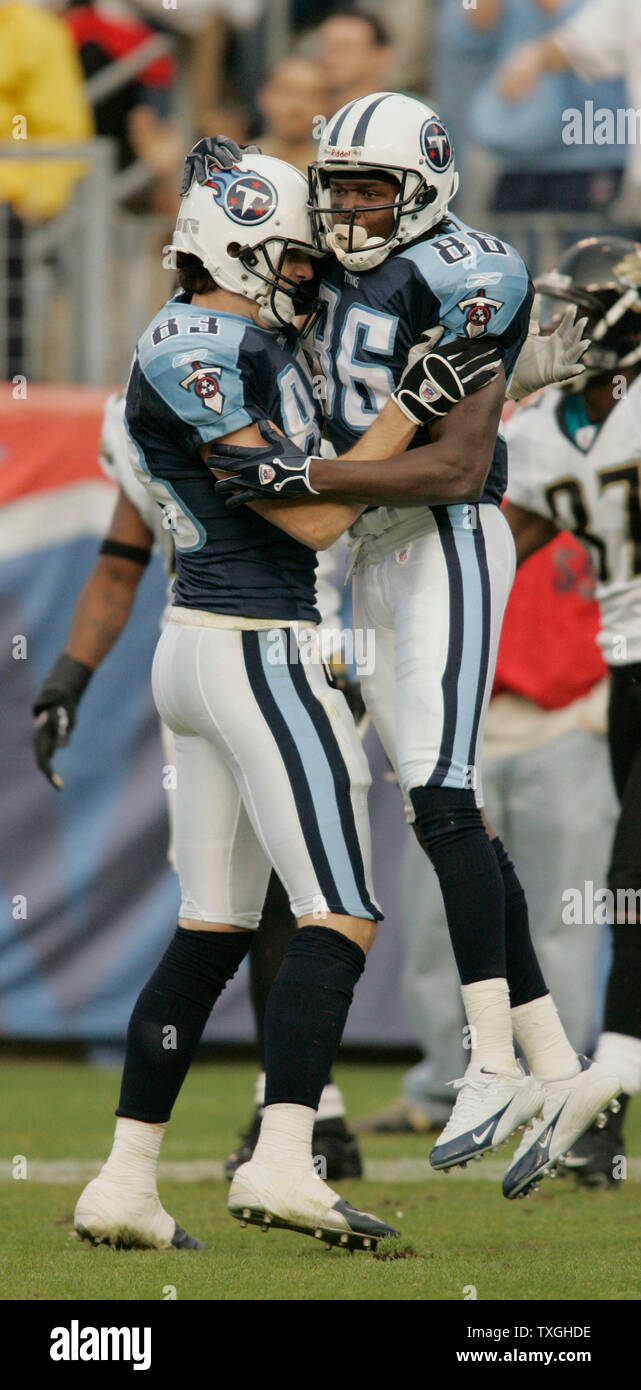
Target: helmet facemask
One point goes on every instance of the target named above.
(283, 299)
(349, 240)
(613, 311)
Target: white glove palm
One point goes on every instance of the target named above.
(548, 359)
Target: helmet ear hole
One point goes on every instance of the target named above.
(234, 249)
(425, 196)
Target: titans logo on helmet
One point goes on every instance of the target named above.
(247, 198)
(436, 146)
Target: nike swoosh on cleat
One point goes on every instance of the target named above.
(478, 1138)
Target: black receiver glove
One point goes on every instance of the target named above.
(55, 711)
(219, 150)
(281, 469)
(436, 378)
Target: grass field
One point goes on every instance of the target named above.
(458, 1231)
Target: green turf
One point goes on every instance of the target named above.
(563, 1243)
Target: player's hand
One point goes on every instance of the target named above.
(340, 679)
(437, 378)
(219, 150)
(279, 470)
(55, 712)
(548, 358)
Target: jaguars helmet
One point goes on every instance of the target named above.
(602, 275)
(388, 134)
(241, 222)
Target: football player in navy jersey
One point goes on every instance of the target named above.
(270, 769)
(434, 566)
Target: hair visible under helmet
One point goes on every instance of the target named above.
(241, 222)
(389, 135)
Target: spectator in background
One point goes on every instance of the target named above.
(137, 115)
(41, 101)
(291, 99)
(224, 42)
(462, 59)
(354, 55)
(603, 40)
(538, 169)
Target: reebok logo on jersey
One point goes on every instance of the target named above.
(207, 387)
(266, 473)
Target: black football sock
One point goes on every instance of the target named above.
(169, 1017)
(623, 994)
(268, 947)
(450, 829)
(524, 975)
(306, 1013)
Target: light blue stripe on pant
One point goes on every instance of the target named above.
(318, 774)
(470, 671)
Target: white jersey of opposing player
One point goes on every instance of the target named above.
(116, 463)
(592, 487)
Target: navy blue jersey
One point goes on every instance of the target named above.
(471, 283)
(198, 376)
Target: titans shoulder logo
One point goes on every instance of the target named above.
(478, 310)
(204, 382)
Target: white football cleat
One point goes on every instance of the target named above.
(570, 1107)
(297, 1200)
(491, 1104)
(112, 1213)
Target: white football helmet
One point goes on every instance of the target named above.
(391, 134)
(241, 222)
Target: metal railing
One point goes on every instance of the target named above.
(69, 323)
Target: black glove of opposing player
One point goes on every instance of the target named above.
(279, 470)
(436, 378)
(55, 711)
(340, 678)
(220, 150)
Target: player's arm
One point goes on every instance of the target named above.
(318, 523)
(452, 468)
(435, 380)
(312, 522)
(102, 610)
(530, 530)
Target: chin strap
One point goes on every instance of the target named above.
(354, 249)
(275, 310)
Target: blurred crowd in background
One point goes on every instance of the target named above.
(154, 75)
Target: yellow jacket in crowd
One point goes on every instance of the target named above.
(41, 97)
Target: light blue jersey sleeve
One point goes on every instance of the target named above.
(190, 357)
(481, 283)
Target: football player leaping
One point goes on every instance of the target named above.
(434, 567)
(574, 458)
